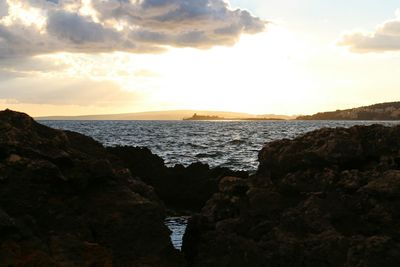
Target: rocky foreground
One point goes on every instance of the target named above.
(182, 189)
(62, 203)
(328, 198)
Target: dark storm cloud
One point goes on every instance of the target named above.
(385, 38)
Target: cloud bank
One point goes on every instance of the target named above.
(3, 8)
(81, 92)
(386, 37)
(31, 28)
(119, 25)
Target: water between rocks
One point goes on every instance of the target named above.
(177, 225)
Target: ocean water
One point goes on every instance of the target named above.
(233, 144)
(177, 226)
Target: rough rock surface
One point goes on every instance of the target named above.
(179, 187)
(63, 204)
(328, 198)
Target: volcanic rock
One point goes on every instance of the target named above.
(328, 198)
(62, 203)
(180, 188)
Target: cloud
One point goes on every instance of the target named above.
(122, 25)
(27, 68)
(32, 28)
(194, 23)
(72, 28)
(3, 8)
(9, 75)
(32, 65)
(19, 41)
(82, 92)
(386, 37)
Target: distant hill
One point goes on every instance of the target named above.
(382, 111)
(163, 115)
(276, 116)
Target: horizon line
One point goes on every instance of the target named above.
(166, 111)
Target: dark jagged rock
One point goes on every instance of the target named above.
(328, 198)
(181, 188)
(63, 204)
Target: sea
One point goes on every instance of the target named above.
(232, 144)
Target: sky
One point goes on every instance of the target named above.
(79, 57)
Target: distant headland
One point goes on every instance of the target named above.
(197, 117)
(382, 111)
(170, 115)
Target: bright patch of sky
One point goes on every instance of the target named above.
(340, 14)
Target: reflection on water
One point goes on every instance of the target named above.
(177, 225)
